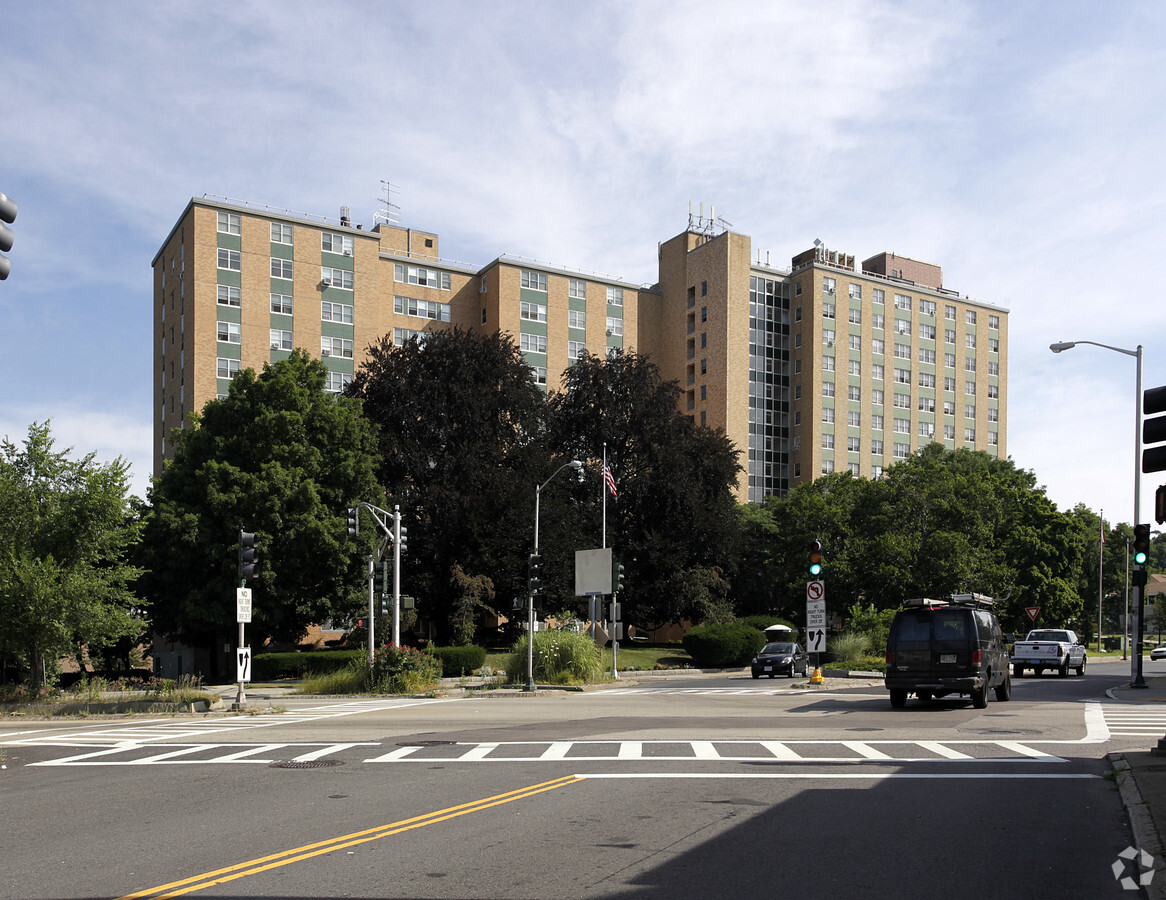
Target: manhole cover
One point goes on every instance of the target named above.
(424, 743)
(306, 764)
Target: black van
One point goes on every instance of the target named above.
(940, 647)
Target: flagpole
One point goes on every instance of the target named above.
(603, 494)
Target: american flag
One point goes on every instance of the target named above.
(609, 480)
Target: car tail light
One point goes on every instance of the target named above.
(977, 657)
(1059, 649)
(890, 657)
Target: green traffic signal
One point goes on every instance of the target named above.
(1141, 544)
(815, 558)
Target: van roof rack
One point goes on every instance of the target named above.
(924, 601)
(980, 601)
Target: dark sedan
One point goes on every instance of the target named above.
(780, 659)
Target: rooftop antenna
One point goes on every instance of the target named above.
(389, 212)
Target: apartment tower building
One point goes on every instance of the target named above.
(819, 367)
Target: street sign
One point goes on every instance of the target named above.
(1032, 611)
(243, 605)
(243, 664)
(815, 617)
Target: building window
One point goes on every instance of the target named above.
(902, 351)
(970, 435)
(827, 442)
(902, 301)
(828, 310)
(229, 223)
(334, 346)
(902, 376)
(539, 374)
(576, 318)
(878, 321)
(533, 343)
(994, 322)
(281, 268)
(902, 326)
(827, 388)
(854, 367)
(949, 336)
(902, 401)
(229, 296)
(337, 382)
(423, 309)
(704, 392)
(949, 407)
(337, 278)
(993, 415)
(993, 345)
(855, 316)
(425, 277)
(949, 360)
(970, 316)
(828, 285)
(878, 346)
(876, 448)
(704, 366)
(970, 364)
(575, 349)
(926, 429)
(797, 340)
(855, 291)
(827, 363)
(853, 392)
(227, 368)
(927, 332)
(230, 259)
(534, 312)
(281, 304)
(876, 423)
(878, 295)
(856, 343)
(927, 404)
(828, 414)
(854, 418)
(949, 385)
(927, 357)
(876, 398)
(970, 340)
(901, 426)
(704, 313)
(949, 432)
(535, 281)
(336, 243)
(281, 233)
(993, 392)
(827, 466)
(970, 389)
(901, 451)
(828, 337)
(927, 379)
(281, 340)
(927, 307)
(335, 312)
(704, 338)
(483, 315)
(949, 313)
(853, 445)
(615, 296)
(230, 332)
(970, 411)
(615, 328)
(577, 289)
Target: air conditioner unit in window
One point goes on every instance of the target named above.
(325, 352)
(274, 346)
(327, 282)
(348, 253)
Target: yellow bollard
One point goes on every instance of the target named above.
(817, 678)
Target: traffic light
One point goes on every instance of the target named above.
(379, 573)
(815, 558)
(534, 581)
(1160, 505)
(7, 214)
(353, 522)
(1154, 430)
(1141, 544)
(617, 581)
(248, 554)
(386, 605)
(402, 537)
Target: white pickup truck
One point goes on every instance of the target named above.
(1048, 648)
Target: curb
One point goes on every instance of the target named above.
(1141, 822)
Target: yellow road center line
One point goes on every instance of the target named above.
(298, 854)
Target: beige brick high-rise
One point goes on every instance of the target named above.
(824, 366)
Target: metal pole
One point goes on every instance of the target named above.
(1100, 579)
(241, 697)
(530, 604)
(397, 575)
(1125, 623)
(371, 612)
(1139, 592)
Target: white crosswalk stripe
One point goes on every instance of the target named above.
(1134, 720)
(130, 754)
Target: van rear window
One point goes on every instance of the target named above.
(914, 626)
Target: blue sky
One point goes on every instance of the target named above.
(1018, 145)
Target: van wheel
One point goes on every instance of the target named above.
(1081, 668)
(1018, 671)
(980, 697)
(898, 698)
(1004, 688)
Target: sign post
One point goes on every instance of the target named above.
(242, 669)
(816, 618)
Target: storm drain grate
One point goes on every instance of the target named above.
(425, 743)
(306, 764)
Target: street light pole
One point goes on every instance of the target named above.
(578, 467)
(1137, 679)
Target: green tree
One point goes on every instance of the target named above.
(461, 424)
(675, 510)
(473, 594)
(66, 527)
(283, 458)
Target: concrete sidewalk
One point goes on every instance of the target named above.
(1141, 778)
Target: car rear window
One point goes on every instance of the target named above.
(913, 627)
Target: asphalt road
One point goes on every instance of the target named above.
(679, 787)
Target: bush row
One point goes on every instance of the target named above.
(722, 646)
(454, 662)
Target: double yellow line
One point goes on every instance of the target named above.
(298, 854)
